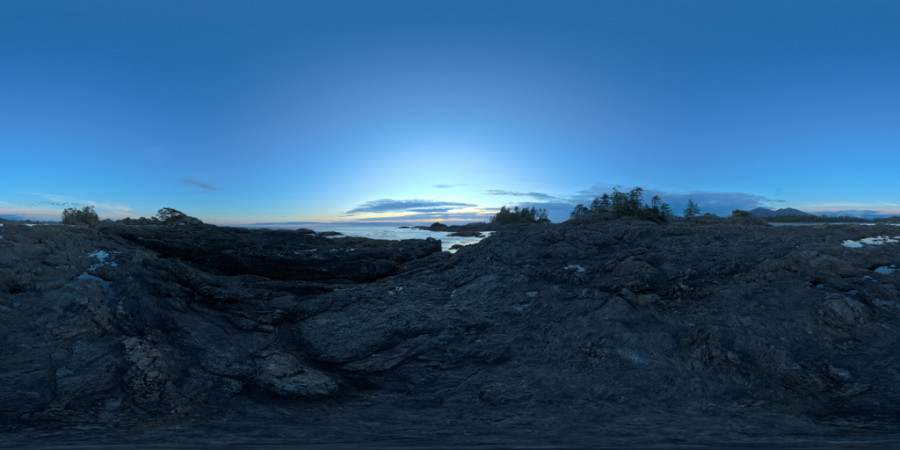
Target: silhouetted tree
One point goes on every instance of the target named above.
(665, 211)
(691, 210)
(605, 202)
(624, 204)
(580, 210)
(520, 215)
(165, 216)
(169, 216)
(84, 216)
(140, 221)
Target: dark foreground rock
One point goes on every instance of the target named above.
(601, 333)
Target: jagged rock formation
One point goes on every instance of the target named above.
(604, 332)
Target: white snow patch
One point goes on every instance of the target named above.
(101, 256)
(575, 267)
(875, 240)
(886, 270)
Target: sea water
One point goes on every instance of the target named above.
(393, 233)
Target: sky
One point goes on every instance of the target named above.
(241, 112)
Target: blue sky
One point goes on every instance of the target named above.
(402, 111)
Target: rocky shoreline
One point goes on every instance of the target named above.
(601, 333)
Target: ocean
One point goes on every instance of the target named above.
(393, 233)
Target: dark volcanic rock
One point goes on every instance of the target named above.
(278, 254)
(467, 233)
(601, 333)
(469, 229)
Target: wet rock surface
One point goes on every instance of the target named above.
(603, 333)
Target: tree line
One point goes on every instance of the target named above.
(165, 216)
(631, 204)
(507, 216)
(618, 204)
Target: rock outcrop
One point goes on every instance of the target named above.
(603, 333)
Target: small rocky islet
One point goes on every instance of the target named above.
(598, 332)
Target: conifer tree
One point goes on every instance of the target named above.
(691, 210)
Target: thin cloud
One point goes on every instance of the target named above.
(62, 201)
(535, 195)
(389, 206)
(431, 210)
(52, 204)
(205, 187)
(445, 217)
(447, 186)
(57, 200)
(56, 204)
(109, 207)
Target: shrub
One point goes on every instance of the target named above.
(165, 216)
(168, 216)
(140, 221)
(741, 217)
(84, 216)
(709, 219)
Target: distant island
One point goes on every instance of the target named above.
(764, 212)
(791, 215)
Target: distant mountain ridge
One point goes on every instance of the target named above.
(764, 212)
